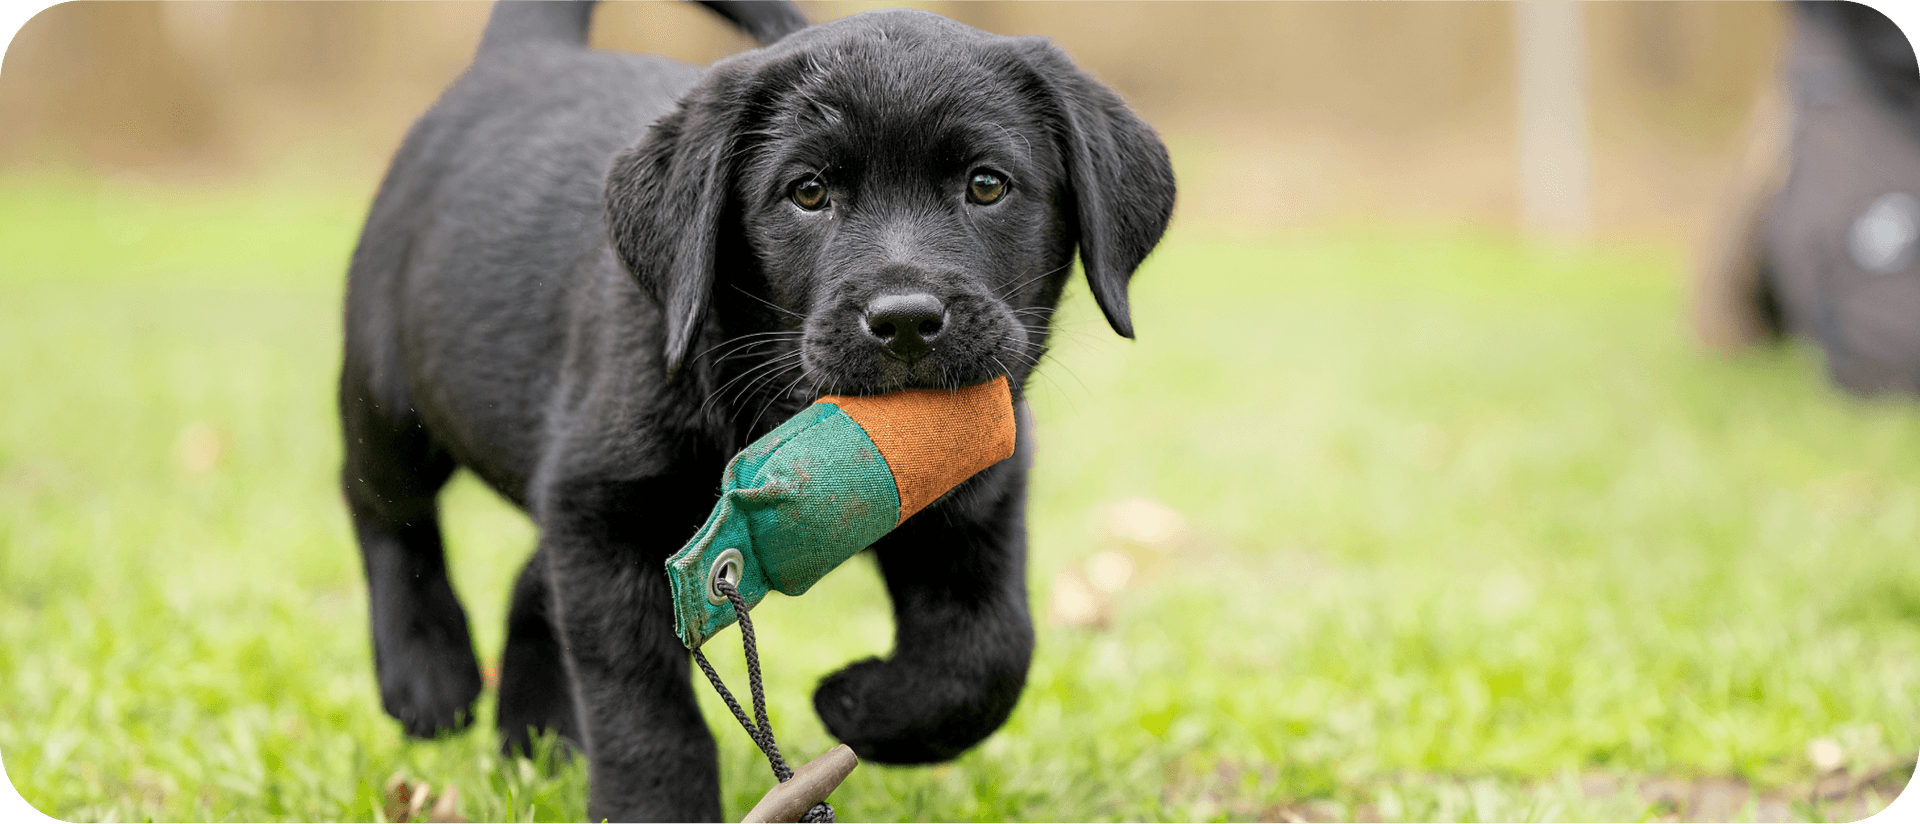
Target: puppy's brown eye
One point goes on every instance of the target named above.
(986, 187)
(810, 194)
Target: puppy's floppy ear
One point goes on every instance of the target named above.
(1121, 177)
(666, 199)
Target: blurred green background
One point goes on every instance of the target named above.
(1396, 510)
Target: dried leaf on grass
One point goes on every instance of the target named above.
(409, 801)
(490, 674)
(1075, 603)
(199, 448)
(1145, 523)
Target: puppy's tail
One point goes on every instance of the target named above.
(517, 23)
(763, 20)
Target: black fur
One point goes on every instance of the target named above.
(493, 322)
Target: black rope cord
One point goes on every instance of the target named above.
(761, 733)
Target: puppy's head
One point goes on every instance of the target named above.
(884, 202)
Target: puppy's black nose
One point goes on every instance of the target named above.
(906, 324)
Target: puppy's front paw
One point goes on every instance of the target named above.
(429, 680)
(900, 714)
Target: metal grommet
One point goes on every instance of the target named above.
(731, 565)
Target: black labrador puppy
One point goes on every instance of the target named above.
(590, 278)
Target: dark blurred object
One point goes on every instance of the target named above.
(1821, 233)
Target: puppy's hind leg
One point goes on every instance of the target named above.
(536, 695)
(422, 651)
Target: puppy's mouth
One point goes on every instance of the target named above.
(887, 372)
(899, 342)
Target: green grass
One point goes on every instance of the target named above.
(1466, 526)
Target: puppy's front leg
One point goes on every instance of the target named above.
(962, 639)
(650, 755)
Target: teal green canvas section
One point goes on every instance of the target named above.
(797, 503)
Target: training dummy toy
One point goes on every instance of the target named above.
(825, 485)
(803, 499)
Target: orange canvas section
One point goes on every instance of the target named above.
(933, 439)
